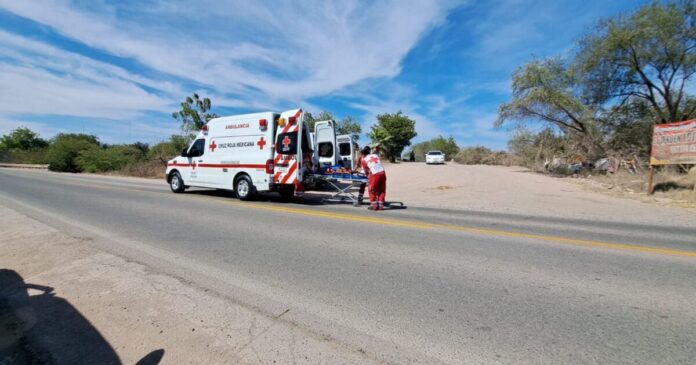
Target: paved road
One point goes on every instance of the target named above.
(413, 285)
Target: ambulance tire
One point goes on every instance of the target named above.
(176, 183)
(243, 187)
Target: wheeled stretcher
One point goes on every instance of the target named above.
(341, 186)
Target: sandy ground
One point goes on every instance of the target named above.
(63, 300)
(520, 191)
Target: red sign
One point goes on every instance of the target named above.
(212, 146)
(286, 142)
(674, 143)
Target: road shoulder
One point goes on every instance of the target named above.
(130, 312)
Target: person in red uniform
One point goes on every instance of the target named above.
(376, 178)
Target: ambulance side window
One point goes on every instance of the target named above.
(197, 148)
(344, 149)
(325, 149)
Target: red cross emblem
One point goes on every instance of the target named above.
(212, 146)
(261, 143)
(286, 143)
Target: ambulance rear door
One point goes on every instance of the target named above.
(288, 147)
(347, 149)
(325, 143)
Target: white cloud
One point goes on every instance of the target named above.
(285, 50)
(36, 78)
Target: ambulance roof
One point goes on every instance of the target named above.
(240, 116)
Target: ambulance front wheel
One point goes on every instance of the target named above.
(244, 188)
(176, 183)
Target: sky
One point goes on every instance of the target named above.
(118, 69)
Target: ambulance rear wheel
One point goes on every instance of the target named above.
(176, 183)
(244, 188)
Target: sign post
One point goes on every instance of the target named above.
(672, 144)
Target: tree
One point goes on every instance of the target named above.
(22, 139)
(65, 148)
(345, 126)
(547, 90)
(348, 125)
(394, 133)
(194, 113)
(647, 56)
(311, 120)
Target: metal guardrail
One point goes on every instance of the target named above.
(24, 166)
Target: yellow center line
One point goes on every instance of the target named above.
(473, 230)
(427, 226)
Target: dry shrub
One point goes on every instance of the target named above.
(147, 169)
(480, 155)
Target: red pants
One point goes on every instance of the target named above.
(377, 187)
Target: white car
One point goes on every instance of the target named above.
(433, 157)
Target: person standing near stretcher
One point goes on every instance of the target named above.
(376, 178)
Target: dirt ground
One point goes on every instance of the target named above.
(522, 191)
(62, 301)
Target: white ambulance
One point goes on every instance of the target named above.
(247, 153)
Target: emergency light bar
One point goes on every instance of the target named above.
(281, 122)
(263, 124)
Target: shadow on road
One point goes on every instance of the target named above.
(310, 198)
(38, 327)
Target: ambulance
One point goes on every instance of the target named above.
(249, 154)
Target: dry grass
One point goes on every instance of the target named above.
(670, 187)
(149, 169)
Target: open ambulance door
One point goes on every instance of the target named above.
(347, 146)
(290, 141)
(325, 143)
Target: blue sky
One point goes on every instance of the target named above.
(118, 69)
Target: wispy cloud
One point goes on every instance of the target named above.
(292, 50)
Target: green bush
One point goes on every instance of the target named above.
(109, 158)
(31, 156)
(22, 145)
(165, 151)
(65, 148)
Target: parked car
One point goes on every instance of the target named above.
(433, 157)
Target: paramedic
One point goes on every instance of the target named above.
(377, 178)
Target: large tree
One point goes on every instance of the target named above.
(194, 113)
(393, 132)
(648, 56)
(547, 90)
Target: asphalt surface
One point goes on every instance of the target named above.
(406, 285)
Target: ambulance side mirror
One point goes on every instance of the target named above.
(184, 152)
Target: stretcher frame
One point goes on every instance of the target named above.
(342, 193)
